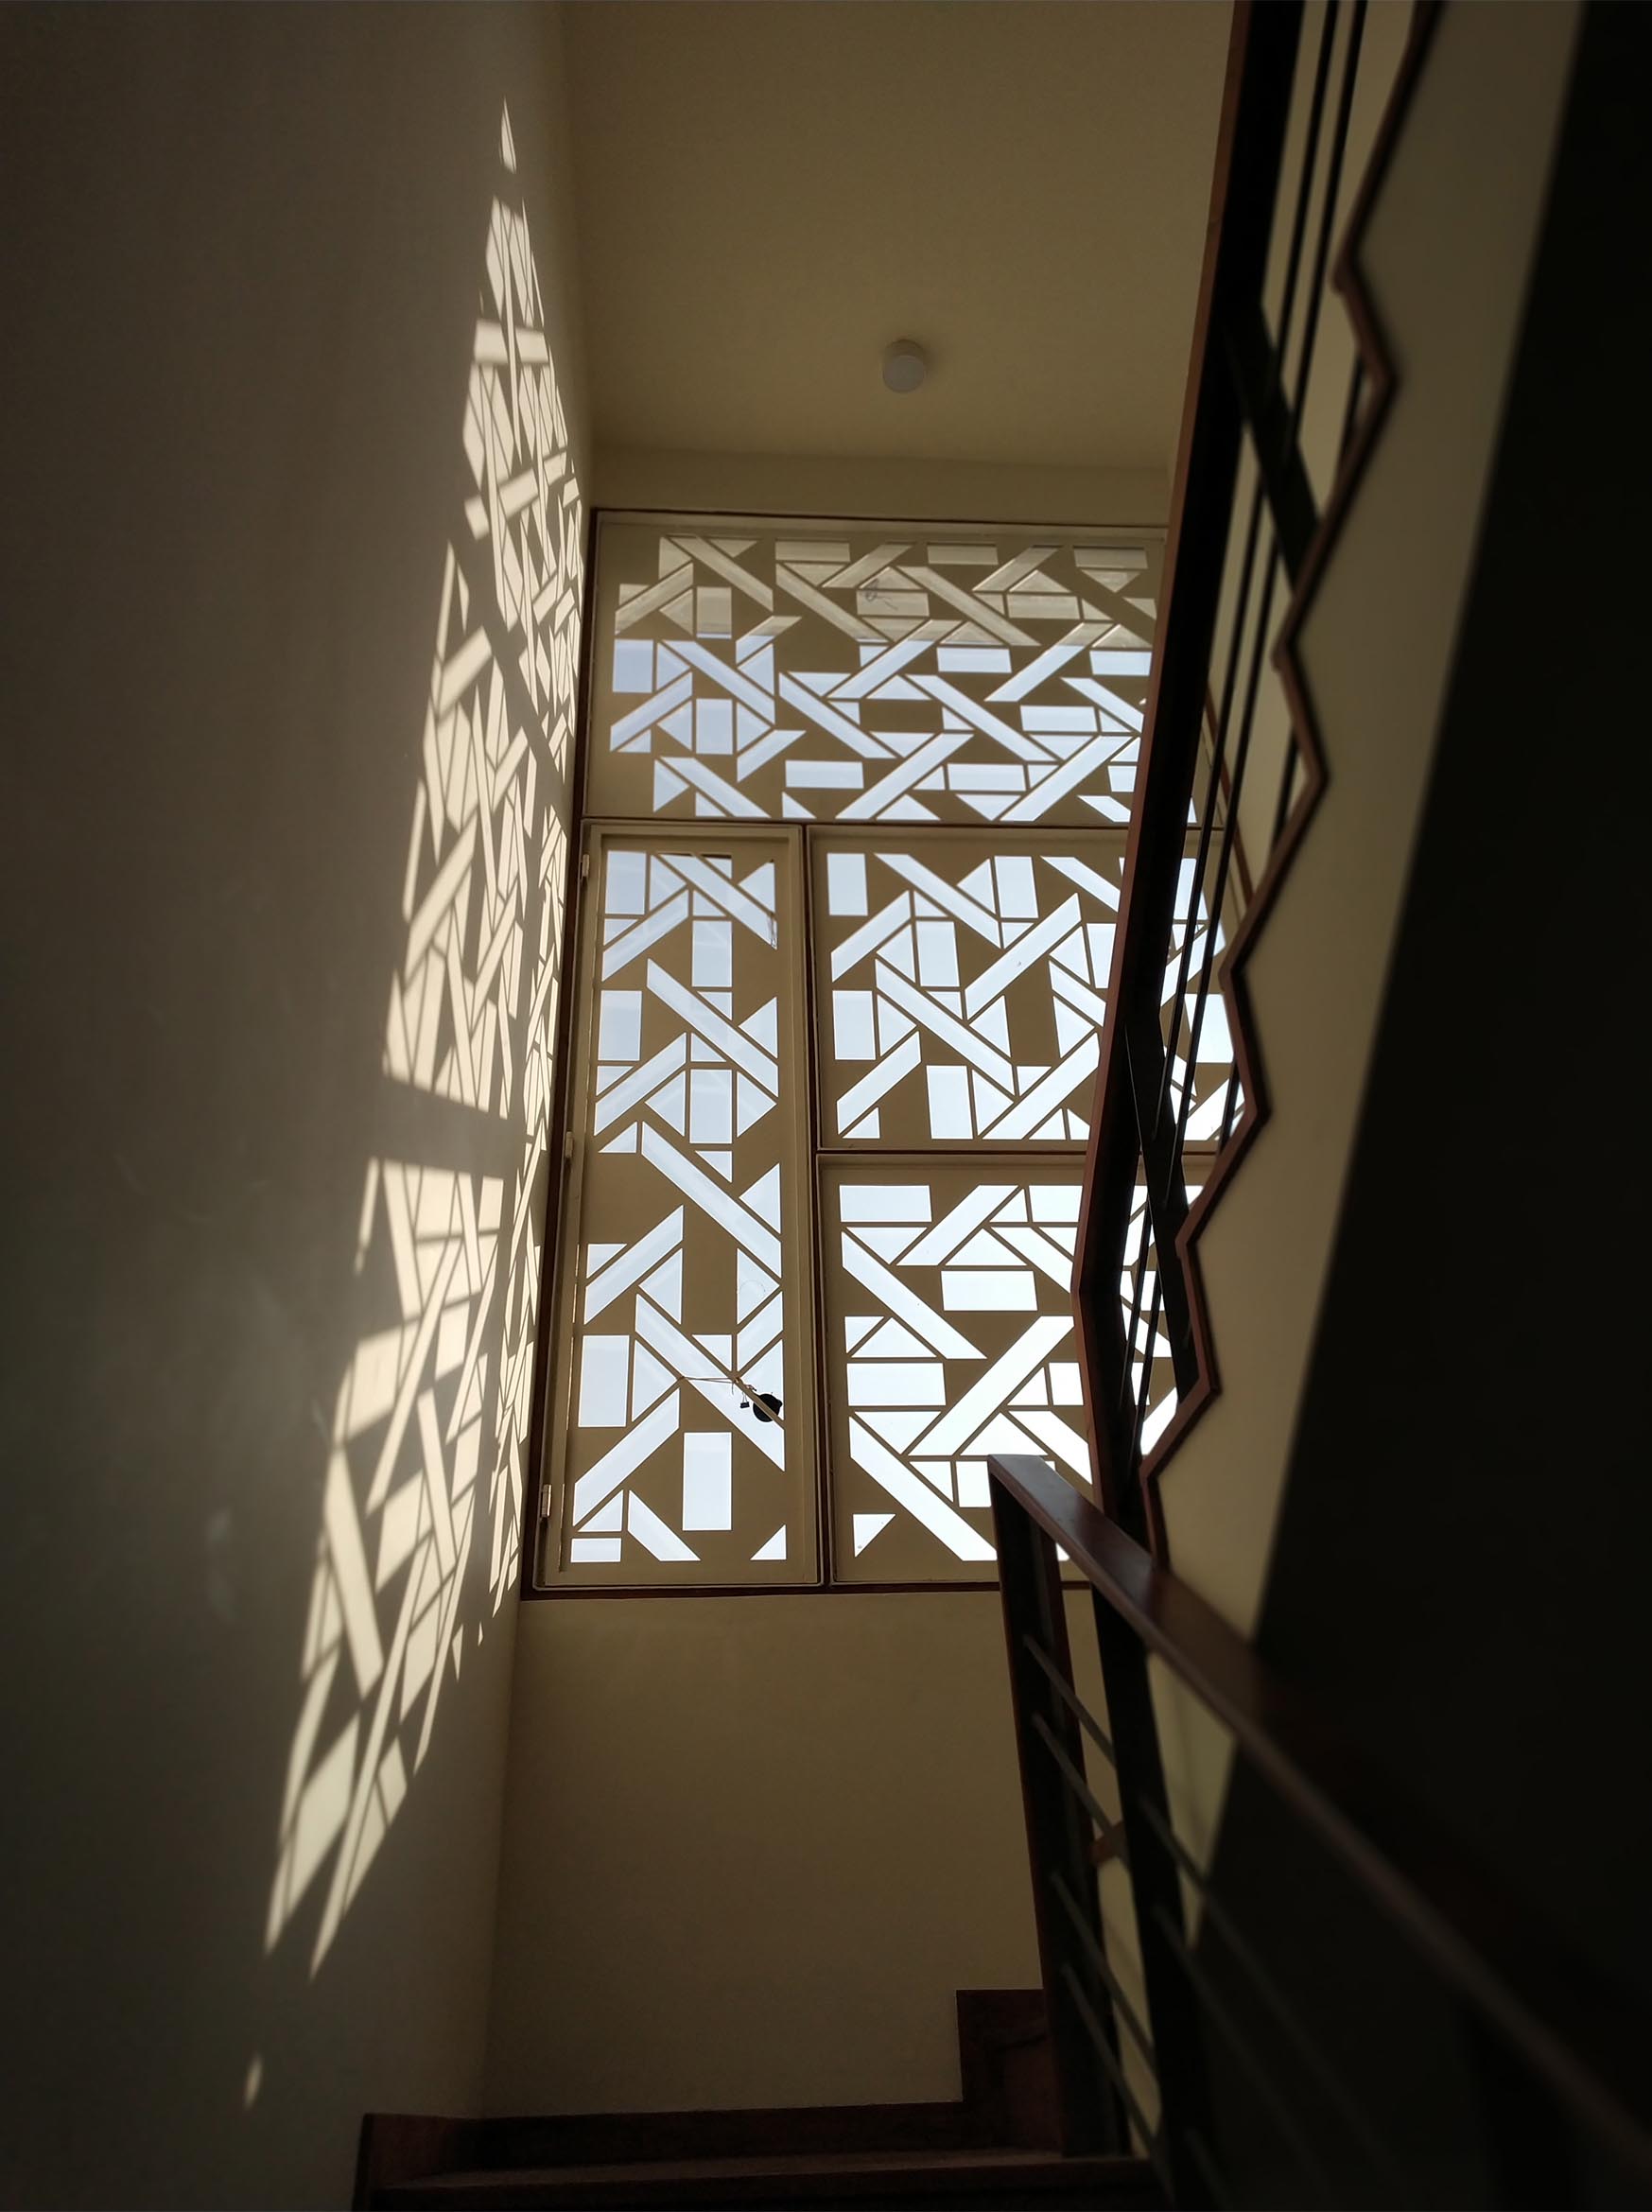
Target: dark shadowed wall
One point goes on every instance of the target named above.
(243, 256)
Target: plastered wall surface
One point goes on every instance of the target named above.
(1022, 189)
(244, 253)
(914, 489)
(753, 1846)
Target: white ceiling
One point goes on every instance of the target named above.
(771, 190)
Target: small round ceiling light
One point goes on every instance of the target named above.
(905, 365)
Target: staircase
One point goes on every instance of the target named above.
(1431, 271)
(517, 2169)
(996, 2145)
(1295, 1944)
(1274, 1974)
(1361, 315)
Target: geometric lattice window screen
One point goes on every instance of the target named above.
(949, 1320)
(821, 675)
(907, 756)
(965, 977)
(687, 1442)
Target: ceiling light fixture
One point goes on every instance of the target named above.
(905, 365)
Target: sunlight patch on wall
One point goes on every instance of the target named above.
(399, 1508)
(430, 1431)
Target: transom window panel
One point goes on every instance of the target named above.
(686, 1443)
(949, 1327)
(960, 982)
(816, 673)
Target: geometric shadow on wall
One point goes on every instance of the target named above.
(422, 1510)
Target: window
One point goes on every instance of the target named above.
(684, 1438)
(856, 810)
(962, 981)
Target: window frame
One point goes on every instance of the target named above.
(819, 1151)
(552, 1574)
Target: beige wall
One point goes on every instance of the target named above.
(753, 1846)
(925, 491)
(243, 252)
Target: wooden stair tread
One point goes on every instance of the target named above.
(791, 2162)
(825, 2176)
(635, 2138)
(992, 2148)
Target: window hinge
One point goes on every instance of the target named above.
(545, 1501)
(567, 1145)
(584, 866)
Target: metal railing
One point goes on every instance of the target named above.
(1287, 391)
(1263, 1971)
(1330, 2004)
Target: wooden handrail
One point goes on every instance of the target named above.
(1255, 104)
(1229, 324)
(1578, 2044)
(1582, 2036)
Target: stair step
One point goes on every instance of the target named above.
(631, 2139)
(998, 2177)
(992, 2147)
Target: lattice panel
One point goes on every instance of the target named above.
(862, 675)
(687, 1447)
(948, 1326)
(961, 982)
